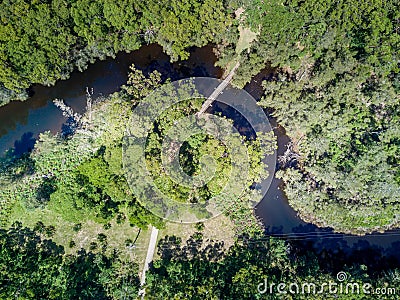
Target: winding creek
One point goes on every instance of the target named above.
(21, 122)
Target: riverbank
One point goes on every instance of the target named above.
(278, 216)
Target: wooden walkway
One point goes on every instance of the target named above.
(154, 231)
(218, 90)
(149, 258)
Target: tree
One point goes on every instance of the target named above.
(334, 91)
(32, 267)
(204, 270)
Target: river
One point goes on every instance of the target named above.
(21, 122)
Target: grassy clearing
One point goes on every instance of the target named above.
(85, 236)
(218, 229)
(246, 37)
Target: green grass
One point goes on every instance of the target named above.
(216, 229)
(246, 37)
(117, 234)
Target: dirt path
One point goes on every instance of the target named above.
(154, 231)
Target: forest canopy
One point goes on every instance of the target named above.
(336, 92)
(43, 41)
(333, 85)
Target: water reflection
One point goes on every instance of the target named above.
(39, 114)
(21, 122)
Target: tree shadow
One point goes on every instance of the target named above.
(335, 251)
(69, 127)
(16, 161)
(194, 248)
(24, 145)
(40, 264)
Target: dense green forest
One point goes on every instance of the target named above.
(34, 267)
(334, 87)
(335, 90)
(199, 269)
(76, 180)
(81, 176)
(43, 41)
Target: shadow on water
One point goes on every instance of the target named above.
(21, 122)
(378, 251)
(39, 114)
(23, 145)
(239, 122)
